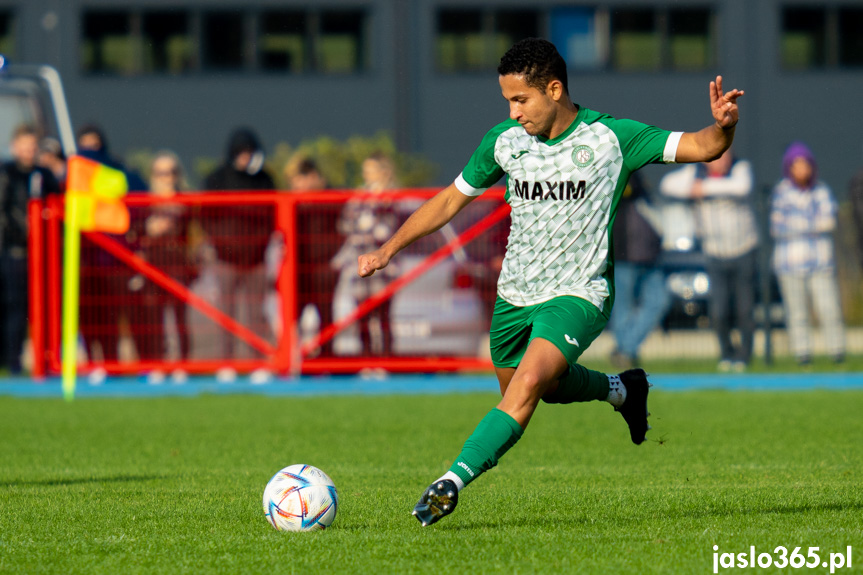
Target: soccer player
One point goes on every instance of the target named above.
(566, 169)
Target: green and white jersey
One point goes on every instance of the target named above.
(564, 194)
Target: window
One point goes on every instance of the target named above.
(581, 36)
(108, 45)
(804, 38)
(636, 40)
(459, 40)
(175, 41)
(339, 46)
(7, 33)
(122, 42)
(224, 40)
(850, 37)
(282, 44)
(470, 40)
(819, 37)
(690, 39)
(168, 46)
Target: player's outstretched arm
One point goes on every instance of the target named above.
(709, 143)
(428, 218)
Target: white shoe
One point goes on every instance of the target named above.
(226, 375)
(97, 376)
(260, 376)
(179, 376)
(156, 377)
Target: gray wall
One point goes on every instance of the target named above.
(445, 116)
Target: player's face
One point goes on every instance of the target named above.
(530, 107)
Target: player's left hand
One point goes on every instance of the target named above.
(724, 106)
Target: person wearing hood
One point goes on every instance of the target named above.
(105, 291)
(239, 235)
(802, 220)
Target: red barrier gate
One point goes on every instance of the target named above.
(233, 269)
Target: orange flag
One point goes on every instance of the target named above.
(100, 190)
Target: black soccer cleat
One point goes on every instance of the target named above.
(634, 408)
(438, 500)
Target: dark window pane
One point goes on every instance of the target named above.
(459, 41)
(168, 45)
(7, 34)
(636, 43)
(803, 38)
(851, 36)
(107, 45)
(690, 39)
(282, 42)
(223, 40)
(340, 45)
(510, 26)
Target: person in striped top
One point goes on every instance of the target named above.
(802, 222)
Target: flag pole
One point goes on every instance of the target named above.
(71, 286)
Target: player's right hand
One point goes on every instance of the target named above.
(367, 264)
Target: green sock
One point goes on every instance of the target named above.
(493, 437)
(579, 384)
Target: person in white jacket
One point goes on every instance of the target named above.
(721, 191)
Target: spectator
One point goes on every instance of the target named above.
(20, 181)
(802, 220)
(641, 298)
(318, 243)
(240, 235)
(159, 234)
(367, 222)
(51, 156)
(722, 192)
(104, 280)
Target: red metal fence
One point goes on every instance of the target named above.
(204, 281)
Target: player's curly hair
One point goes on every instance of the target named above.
(537, 60)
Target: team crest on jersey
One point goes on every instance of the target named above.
(582, 156)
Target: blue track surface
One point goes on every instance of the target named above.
(406, 384)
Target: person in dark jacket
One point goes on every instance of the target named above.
(240, 234)
(20, 181)
(641, 298)
(105, 293)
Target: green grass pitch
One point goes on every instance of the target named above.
(173, 485)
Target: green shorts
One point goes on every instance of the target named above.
(569, 322)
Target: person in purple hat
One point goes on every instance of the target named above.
(802, 221)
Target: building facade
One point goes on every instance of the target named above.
(182, 73)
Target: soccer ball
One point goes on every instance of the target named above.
(300, 498)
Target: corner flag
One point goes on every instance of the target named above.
(93, 203)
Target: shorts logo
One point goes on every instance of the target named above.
(582, 155)
(570, 340)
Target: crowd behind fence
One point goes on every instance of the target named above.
(267, 282)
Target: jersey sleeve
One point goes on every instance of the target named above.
(482, 170)
(643, 144)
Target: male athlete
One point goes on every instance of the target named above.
(566, 169)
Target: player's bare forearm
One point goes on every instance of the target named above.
(428, 218)
(711, 142)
